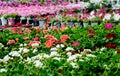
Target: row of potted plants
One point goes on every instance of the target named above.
(60, 52)
(68, 18)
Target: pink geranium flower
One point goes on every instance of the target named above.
(36, 39)
(108, 26)
(11, 41)
(75, 44)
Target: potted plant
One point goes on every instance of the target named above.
(10, 18)
(95, 21)
(86, 22)
(3, 20)
(17, 19)
(23, 20)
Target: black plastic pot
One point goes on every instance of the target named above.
(17, 19)
(24, 21)
(31, 22)
(36, 22)
(0, 22)
(115, 23)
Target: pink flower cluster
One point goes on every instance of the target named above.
(37, 9)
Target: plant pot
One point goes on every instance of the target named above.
(41, 23)
(76, 23)
(31, 22)
(115, 23)
(4, 21)
(36, 22)
(23, 20)
(17, 19)
(70, 24)
(58, 24)
(85, 24)
(0, 22)
(94, 23)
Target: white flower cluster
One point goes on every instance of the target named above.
(23, 50)
(107, 17)
(21, 45)
(1, 45)
(3, 70)
(69, 49)
(116, 17)
(95, 1)
(58, 46)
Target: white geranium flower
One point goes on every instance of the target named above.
(73, 57)
(54, 53)
(69, 53)
(15, 54)
(3, 70)
(28, 60)
(20, 50)
(6, 58)
(107, 17)
(35, 50)
(62, 45)
(116, 17)
(56, 58)
(1, 45)
(38, 64)
(102, 49)
(37, 57)
(46, 56)
(74, 65)
(69, 49)
(90, 55)
(58, 46)
(25, 44)
(95, 1)
(21, 45)
(25, 50)
(54, 49)
(5, 47)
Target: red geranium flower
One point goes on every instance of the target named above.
(73, 52)
(108, 45)
(60, 71)
(114, 45)
(110, 35)
(81, 49)
(90, 31)
(118, 52)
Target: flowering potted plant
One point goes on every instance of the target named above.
(86, 22)
(23, 20)
(96, 21)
